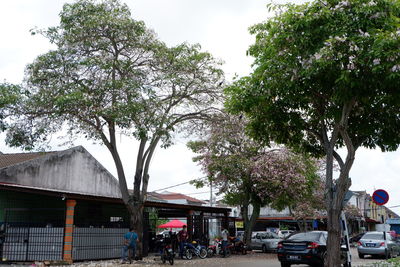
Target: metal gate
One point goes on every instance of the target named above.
(32, 239)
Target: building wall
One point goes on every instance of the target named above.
(73, 170)
(17, 205)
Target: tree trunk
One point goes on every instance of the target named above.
(245, 216)
(136, 221)
(251, 221)
(333, 244)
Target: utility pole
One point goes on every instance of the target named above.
(211, 195)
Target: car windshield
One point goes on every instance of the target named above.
(310, 236)
(374, 236)
(273, 235)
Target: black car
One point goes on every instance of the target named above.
(304, 248)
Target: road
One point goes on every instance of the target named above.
(253, 259)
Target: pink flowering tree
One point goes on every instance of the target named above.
(311, 206)
(249, 173)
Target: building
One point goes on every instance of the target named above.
(361, 212)
(177, 198)
(64, 205)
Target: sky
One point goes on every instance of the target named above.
(221, 28)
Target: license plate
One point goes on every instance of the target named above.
(290, 257)
(369, 244)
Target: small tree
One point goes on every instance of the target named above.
(250, 174)
(326, 76)
(110, 75)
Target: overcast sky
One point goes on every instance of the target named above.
(220, 26)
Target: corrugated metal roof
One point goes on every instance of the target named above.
(7, 160)
(175, 196)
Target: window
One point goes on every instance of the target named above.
(116, 219)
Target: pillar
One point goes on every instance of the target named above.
(69, 229)
(189, 223)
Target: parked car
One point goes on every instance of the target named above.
(304, 248)
(265, 241)
(373, 243)
(284, 233)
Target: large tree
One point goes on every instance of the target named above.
(326, 75)
(109, 75)
(249, 174)
(10, 95)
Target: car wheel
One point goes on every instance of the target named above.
(284, 264)
(324, 257)
(389, 254)
(264, 249)
(361, 256)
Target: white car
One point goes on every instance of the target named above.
(265, 241)
(284, 233)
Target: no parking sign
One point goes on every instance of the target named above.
(380, 197)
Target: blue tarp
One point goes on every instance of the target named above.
(393, 221)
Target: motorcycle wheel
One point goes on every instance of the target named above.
(203, 253)
(188, 254)
(171, 260)
(210, 253)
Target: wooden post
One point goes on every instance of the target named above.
(69, 229)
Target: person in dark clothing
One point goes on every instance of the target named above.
(182, 239)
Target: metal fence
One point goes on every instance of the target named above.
(33, 243)
(97, 243)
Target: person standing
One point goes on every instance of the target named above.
(224, 234)
(130, 239)
(182, 239)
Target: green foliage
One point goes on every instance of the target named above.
(110, 71)
(310, 60)
(9, 96)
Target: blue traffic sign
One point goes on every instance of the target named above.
(380, 197)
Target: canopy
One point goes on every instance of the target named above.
(172, 224)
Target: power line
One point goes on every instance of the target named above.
(198, 193)
(172, 186)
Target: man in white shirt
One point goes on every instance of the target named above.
(224, 234)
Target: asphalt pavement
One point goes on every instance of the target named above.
(252, 259)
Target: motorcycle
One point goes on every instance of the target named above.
(216, 249)
(165, 249)
(238, 246)
(194, 249)
(168, 254)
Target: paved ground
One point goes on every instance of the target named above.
(253, 259)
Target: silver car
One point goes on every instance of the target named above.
(373, 243)
(265, 241)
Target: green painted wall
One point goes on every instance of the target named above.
(30, 208)
(90, 213)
